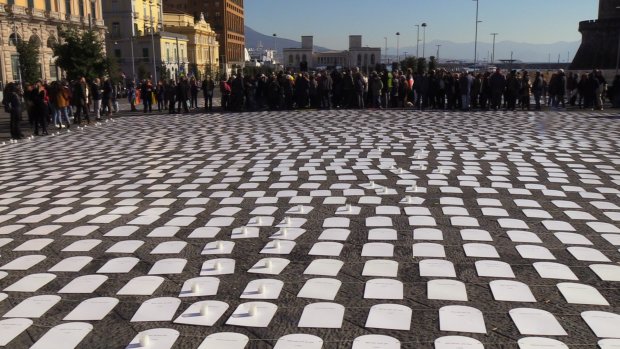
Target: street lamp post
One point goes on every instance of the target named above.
(438, 46)
(398, 46)
(424, 25)
(476, 39)
(386, 50)
(493, 54)
(275, 48)
(417, 44)
(153, 44)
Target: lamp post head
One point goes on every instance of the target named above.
(398, 33)
(424, 25)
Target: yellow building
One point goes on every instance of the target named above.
(38, 21)
(136, 39)
(203, 47)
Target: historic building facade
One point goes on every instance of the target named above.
(38, 21)
(203, 48)
(356, 56)
(600, 39)
(227, 20)
(137, 39)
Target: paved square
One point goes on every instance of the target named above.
(314, 229)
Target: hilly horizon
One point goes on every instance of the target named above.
(449, 50)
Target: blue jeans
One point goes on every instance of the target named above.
(60, 114)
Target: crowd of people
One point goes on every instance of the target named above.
(59, 104)
(441, 90)
(63, 103)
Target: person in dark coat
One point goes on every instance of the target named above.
(193, 90)
(170, 91)
(12, 105)
(274, 93)
(182, 95)
(325, 89)
(208, 86)
(537, 89)
(302, 90)
(237, 92)
(498, 85)
(80, 99)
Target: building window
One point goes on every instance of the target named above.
(167, 53)
(35, 40)
(53, 71)
(296, 58)
(372, 59)
(51, 42)
(13, 39)
(31, 3)
(15, 67)
(117, 53)
(11, 2)
(68, 7)
(290, 59)
(303, 58)
(48, 5)
(116, 30)
(359, 59)
(145, 54)
(81, 8)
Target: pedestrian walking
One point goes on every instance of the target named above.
(12, 105)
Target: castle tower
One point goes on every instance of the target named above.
(600, 39)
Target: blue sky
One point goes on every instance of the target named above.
(331, 21)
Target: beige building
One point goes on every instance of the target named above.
(203, 48)
(136, 39)
(38, 21)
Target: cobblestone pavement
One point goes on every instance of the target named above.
(495, 227)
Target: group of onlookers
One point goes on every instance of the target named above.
(59, 103)
(441, 90)
(62, 103)
(174, 96)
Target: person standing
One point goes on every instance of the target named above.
(12, 105)
(526, 88)
(513, 86)
(465, 86)
(208, 86)
(360, 86)
(225, 93)
(160, 96)
(170, 95)
(602, 89)
(325, 89)
(80, 97)
(95, 92)
(498, 84)
(39, 108)
(615, 92)
(193, 90)
(106, 100)
(537, 89)
(63, 101)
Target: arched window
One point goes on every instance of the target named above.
(372, 59)
(34, 39)
(290, 59)
(296, 58)
(365, 59)
(303, 58)
(13, 39)
(51, 41)
(359, 59)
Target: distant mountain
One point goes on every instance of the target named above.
(449, 50)
(520, 51)
(254, 38)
